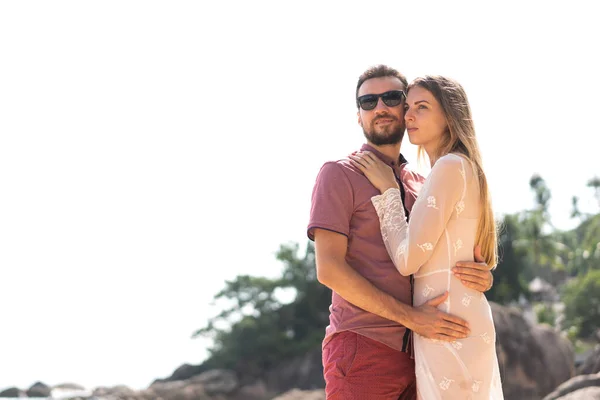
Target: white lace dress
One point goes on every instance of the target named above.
(441, 231)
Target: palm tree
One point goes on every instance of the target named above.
(543, 245)
(595, 184)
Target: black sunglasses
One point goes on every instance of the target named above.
(391, 99)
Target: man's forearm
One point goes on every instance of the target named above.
(354, 288)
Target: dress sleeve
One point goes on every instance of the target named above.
(411, 244)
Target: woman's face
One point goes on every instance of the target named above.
(425, 120)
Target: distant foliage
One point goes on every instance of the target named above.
(258, 331)
(509, 282)
(582, 303)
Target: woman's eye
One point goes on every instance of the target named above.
(422, 107)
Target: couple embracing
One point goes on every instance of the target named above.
(407, 258)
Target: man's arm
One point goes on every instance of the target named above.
(336, 274)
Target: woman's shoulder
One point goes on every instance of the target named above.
(454, 162)
(450, 160)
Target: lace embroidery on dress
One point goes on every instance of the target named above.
(426, 246)
(466, 300)
(431, 202)
(427, 291)
(457, 345)
(457, 246)
(445, 383)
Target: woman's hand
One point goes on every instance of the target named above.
(379, 173)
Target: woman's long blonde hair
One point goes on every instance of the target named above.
(460, 138)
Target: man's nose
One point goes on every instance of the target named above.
(381, 106)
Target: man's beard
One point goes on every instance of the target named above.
(391, 134)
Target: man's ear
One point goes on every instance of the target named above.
(359, 119)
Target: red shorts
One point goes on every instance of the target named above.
(358, 368)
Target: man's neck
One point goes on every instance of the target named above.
(390, 150)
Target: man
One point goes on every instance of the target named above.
(366, 349)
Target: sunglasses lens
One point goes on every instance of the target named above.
(392, 98)
(368, 101)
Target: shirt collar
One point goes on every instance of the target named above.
(388, 160)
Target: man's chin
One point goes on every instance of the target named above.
(384, 138)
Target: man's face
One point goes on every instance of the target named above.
(382, 125)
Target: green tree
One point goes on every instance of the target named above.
(583, 245)
(595, 184)
(539, 239)
(508, 278)
(258, 330)
(582, 303)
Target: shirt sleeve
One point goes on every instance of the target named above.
(332, 201)
(411, 244)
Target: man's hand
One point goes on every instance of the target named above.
(475, 274)
(428, 321)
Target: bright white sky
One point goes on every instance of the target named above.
(150, 150)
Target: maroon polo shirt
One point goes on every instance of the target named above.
(341, 202)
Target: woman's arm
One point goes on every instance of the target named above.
(411, 245)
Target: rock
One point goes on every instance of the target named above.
(255, 391)
(12, 392)
(574, 385)
(590, 393)
(119, 392)
(183, 372)
(296, 394)
(533, 359)
(216, 381)
(304, 372)
(591, 364)
(68, 386)
(176, 390)
(39, 389)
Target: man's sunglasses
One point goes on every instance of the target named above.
(391, 99)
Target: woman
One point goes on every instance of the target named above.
(452, 216)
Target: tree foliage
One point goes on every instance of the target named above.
(258, 330)
(582, 303)
(509, 283)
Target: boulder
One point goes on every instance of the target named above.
(590, 393)
(12, 392)
(68, 386)
(296, 394)
(575, 388)
(304, 372)
(39, 389)
(591, 365)
(177, 390)
(533, 359)
(255, 391)
(183, 372)
(119, 392)
(216, 381)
